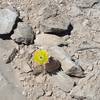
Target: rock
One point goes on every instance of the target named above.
(37, 92)
(23, 34)
(49, 11)
(37, 69)
(25, 67)
(24, 58)
(40, 79)
(48, 93)
(85, 3)
(9, 91)
(75, 11)
(21, 77)
(68, 66)
(88, 87)
(51, 22)
(47, 40)
(95, 12)
(50, 67)
(8, 18)
(95, 23)
(63, 82)
(8, 51)
(57, 52)
(9, 85)
(58, 93)
(54, 26)
(6, 90)
(53, 65)
(3, 81)
(97, 37)
(21, 66)
(12, 55)
(37, 32)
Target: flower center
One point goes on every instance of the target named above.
(41, 57)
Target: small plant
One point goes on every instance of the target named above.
(41, 57)
(42, 62)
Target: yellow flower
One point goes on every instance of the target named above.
(41, 57)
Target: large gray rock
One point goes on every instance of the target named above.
(68, 66)
(51, 26)
(23, 34)
(51, 22)
(8, 17)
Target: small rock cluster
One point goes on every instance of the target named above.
(10, 27)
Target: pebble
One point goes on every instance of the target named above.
(40, 79)
(48, 93)
(26, 68)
